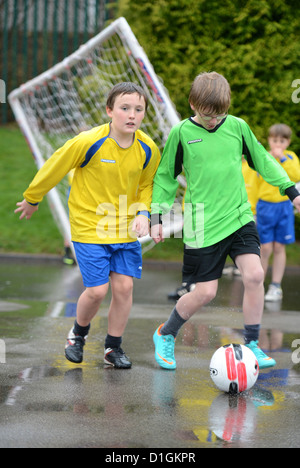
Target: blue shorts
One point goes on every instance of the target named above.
(276, 222)
(96, 261)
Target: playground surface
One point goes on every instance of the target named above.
(45, 401)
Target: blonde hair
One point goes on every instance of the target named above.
(280, 130)
(210, 92)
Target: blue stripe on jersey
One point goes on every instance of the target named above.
(285, 157)
(148, 152)
(93, 150)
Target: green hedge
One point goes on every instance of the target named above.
(254, 43)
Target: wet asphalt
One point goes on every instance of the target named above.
(47, 402)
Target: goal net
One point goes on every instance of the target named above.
(71, 97)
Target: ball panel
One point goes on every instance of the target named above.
(234, 368)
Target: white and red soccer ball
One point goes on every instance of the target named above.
(234, 368)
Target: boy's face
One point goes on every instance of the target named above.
(278, 145)
(207, 120)
(127, 113)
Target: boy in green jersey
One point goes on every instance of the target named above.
(218, 220)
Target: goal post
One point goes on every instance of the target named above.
(71, 97)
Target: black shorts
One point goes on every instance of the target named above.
(207, 264)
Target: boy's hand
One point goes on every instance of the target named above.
(141, 226)
(157, 233)
(296, 203)
(26, 209)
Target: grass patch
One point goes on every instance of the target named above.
(171, 250)
(40, 234)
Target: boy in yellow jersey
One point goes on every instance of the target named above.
(109, 208)
(275, 213)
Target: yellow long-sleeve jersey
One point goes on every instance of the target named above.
(110, 185)
(250, 178)
(291, 164)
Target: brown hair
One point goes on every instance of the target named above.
(280, 130)
(125, 88)
(210, 92)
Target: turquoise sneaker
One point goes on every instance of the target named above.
(164, 349)
(263, 360)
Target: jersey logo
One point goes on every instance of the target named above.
(110, 161)
(194, 141)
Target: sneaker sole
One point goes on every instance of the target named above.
(72, 360)
(110, 364)
(268, 366)
(163, 364)
(273, 299)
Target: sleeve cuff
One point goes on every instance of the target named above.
(144, 213)
(156, 218)
(32, 204)
(292, 192)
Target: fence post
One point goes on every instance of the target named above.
(4, 63)
(2, 352)
(2, 92)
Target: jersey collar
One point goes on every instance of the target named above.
(209, 131)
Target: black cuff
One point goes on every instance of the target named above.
(156, 218)
(292, 192)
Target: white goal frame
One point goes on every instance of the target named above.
(152, 85)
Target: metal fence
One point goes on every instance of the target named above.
(36, 34)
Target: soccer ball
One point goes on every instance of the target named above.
(234, 368)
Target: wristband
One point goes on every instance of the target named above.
(292, 192)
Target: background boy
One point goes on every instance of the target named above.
(275, 213)
(218, 218)
(109, 205)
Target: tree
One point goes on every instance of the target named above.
(254, 43)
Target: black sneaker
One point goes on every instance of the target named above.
(116, 358)
(68, 258)
(184, 289)
(74, 347)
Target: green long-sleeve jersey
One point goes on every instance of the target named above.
(216, 201)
